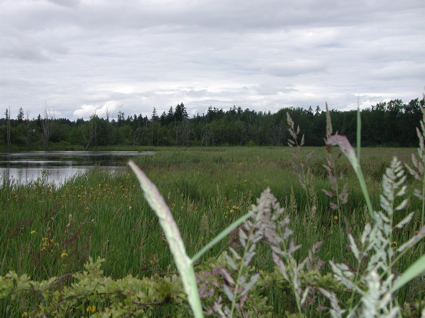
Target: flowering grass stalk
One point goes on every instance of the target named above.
(348, 151)
(341, 197)
(419, 174)
(379, 279)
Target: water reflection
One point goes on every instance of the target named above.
(58, 166)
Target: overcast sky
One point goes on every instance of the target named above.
(84, 56)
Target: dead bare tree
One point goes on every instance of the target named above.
(204, 135)
(27, 131)
(108, 113)
(137, 135)
(176, 130)
(8, 127)
(46, 126)
(185, 132)
(93, 130)
(87, 139)
(240, 129)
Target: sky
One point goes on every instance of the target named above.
(73, 58)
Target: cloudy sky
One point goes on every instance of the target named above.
(84, 56)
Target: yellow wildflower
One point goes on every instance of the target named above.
(91, 309)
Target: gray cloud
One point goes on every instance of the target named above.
(294, 68)
(403, 69)
(88, 55)
(66, 3)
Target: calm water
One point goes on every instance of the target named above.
(58, 166)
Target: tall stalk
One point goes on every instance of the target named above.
(420, 175)
(341, 197)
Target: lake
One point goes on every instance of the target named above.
(58, 166)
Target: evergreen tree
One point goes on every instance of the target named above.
(155, 117)
(180, 113)
(21, 115)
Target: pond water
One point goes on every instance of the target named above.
(58, 166)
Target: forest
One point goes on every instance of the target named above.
(386, 124)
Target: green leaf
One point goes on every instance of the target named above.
(415, 270)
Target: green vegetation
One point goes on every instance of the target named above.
(340, 241)
(51, 232)
(386, 124)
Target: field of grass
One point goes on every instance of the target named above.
(48, 231)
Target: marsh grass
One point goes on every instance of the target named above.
(98, 214)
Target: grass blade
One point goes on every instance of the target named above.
(174, 240)
(359, 129)
(222, 235)
(415, 270)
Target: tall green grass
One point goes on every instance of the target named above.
(48, 231)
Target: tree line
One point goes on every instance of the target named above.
(389, 124)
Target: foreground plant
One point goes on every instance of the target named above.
(338, 193)
(377, 284)
(92, 293)
(172, 234)
(419, 174)
(372, 283)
